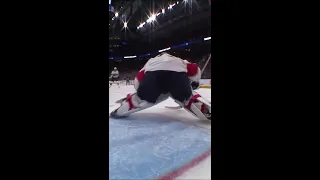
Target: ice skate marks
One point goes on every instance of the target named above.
(150, 148)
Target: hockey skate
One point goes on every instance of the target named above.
(197, 106)
(200, 110)
(206, 112)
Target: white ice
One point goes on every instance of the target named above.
(203, 169)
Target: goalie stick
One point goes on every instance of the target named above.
(173, 107)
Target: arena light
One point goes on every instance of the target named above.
(116, 14)
(166, 49)
(163, 11)
(152, 18)
(125, 24)
(141, 25)
(207, 38)
(170, 7)
(126, 57)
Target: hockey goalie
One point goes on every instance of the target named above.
(162, 77)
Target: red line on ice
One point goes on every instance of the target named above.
(177, 172)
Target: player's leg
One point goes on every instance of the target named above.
(148, 94)
(180, 90)
(110, 82)
(179, 86)
(132, 103)
(151, 86)
(118, 81)
(114, 80)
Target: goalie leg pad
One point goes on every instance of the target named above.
(132, 103)
(197, 106)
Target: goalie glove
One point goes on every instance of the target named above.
(195, 85)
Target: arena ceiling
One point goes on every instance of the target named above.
(185, 18)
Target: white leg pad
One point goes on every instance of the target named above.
(197, 106)
(132, 103)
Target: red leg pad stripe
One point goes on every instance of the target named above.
(203, 107)
(194, 97)
(129, 99)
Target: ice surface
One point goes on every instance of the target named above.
(158, 145)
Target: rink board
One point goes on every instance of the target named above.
(150, 148)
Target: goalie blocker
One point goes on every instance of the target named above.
(154, 84)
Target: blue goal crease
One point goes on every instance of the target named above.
(149, 148)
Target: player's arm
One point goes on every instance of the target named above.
(194, 74)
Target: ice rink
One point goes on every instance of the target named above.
(185, 155)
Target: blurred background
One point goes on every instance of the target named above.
(141, 29)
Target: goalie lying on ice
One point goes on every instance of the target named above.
(162, 77)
